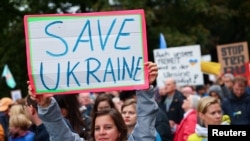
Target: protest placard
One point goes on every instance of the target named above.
(99, 51)
(233, 57)
(181, 63)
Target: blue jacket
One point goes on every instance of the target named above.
(30, 136)
(238, 109)
(144, 129)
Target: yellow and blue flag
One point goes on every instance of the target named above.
(8, 77)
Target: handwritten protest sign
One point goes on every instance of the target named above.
(180, 63)
(233, 57)
(91, 52)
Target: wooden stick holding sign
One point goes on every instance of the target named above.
(103, 51)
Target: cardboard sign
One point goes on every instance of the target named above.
(233, 57)
(180, 63)
(92, 52)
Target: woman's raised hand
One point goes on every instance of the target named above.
(152, 70)
(43, 99)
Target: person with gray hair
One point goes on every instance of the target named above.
(227, 84)
(189, 121)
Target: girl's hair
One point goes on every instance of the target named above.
(128, 102)
(100, 98)
(71, 104)
(20, 120)
(17, 109)
(118, 120)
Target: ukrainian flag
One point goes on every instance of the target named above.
(8, 77)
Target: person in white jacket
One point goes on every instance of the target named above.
(144, 130)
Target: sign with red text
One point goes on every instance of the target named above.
(180, 63)
(92, 52)
(233, 57)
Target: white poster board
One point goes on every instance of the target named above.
(102, 51)
(181, 63)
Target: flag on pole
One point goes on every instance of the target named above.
(163, 43)
(8, 77)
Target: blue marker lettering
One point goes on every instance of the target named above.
(70, 72)
(118, 66)
(58, 37)
(42, 79)
(109, 67)
(103, 45)
(86, 26)
(126, 68)
(91, 72)
(122, 34)
(137, 68)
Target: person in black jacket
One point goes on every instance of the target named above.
(171, 101)
(237, 105)
(37, 127)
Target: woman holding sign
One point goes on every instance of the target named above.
(107, 124)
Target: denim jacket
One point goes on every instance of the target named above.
(144, 129)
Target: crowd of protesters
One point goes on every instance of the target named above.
(169, 113)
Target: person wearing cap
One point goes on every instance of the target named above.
(5, 103)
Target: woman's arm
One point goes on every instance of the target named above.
(50, 114)
(146, 110)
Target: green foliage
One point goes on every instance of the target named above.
(183, 22)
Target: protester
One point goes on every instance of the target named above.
(226, 83)
(209, 113)
(19, 128)
(103, 101)
(188, 123)
(41, 134)
(108, 125)
(17, 109)
(161, 124)
(86, 101)
(129, 114)
(237, 106)
(144, 130)
(69, 106)
(171, 101)
(187, 90)
(201, 90)
(216, 91)
(5, 104)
